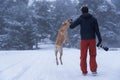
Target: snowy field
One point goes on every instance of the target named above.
(40, 65)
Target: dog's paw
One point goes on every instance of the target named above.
(61, 63)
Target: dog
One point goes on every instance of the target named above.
(62, 37)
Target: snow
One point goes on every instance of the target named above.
(40, 65)
(31, 1)
(111, 3)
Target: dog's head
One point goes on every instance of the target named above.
(67, 22)
(70, 21)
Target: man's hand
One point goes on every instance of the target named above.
(99, 42)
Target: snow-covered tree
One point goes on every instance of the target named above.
(19, 26)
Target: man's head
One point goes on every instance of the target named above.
(84, 9)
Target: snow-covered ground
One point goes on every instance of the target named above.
(40, 65)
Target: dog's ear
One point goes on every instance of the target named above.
(64, 23)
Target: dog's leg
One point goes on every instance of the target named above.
(61, 53)
(56, 52)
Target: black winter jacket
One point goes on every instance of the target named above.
(88, 27)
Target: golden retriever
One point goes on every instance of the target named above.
(61, 39)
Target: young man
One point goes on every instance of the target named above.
(89, 29)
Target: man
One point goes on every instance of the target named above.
(88, 30)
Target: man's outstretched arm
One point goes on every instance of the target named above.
(75, 23)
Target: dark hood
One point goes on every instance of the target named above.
(86, 16)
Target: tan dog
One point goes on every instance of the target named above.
(61, 39)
